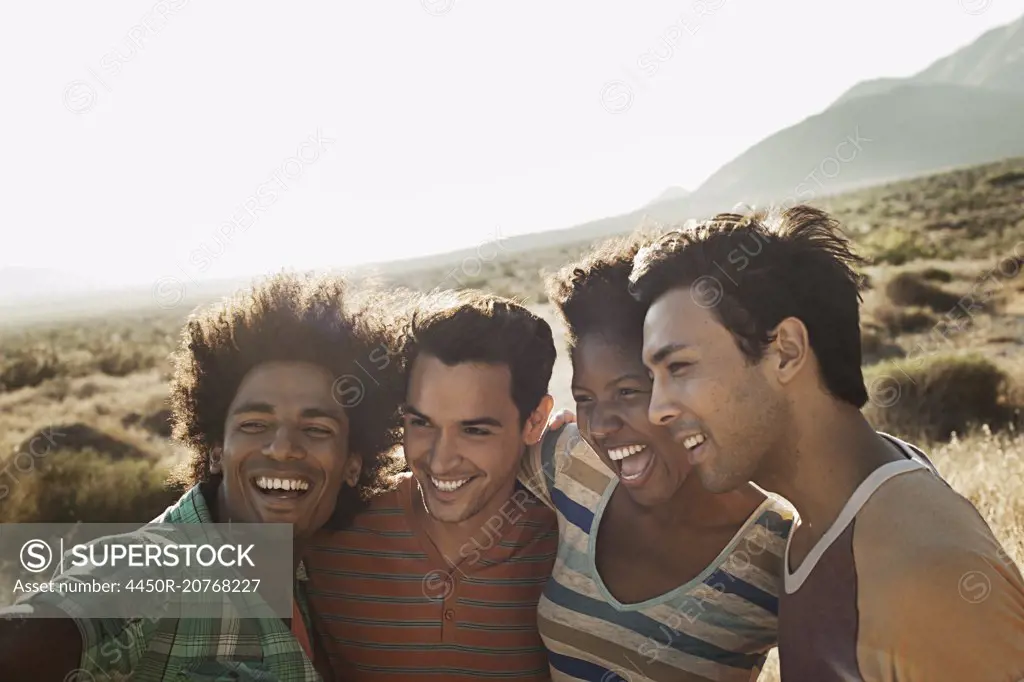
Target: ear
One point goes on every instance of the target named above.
(536, 423)
(215, 457)
(353, 467)
(791, 349)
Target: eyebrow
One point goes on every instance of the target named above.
(478, 421)
(665, 351)
(629, 375)
(623, 377)
(267, 408)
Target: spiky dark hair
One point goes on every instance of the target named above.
(755, 270)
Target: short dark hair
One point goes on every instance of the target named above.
(474, 326)
(592, 294)
(762, 268)
(290, 318)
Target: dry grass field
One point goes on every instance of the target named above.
(83, 420)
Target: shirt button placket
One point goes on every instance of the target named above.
(448, 625)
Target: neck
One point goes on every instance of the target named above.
(693, 506)
(453, 538)
(832, 450)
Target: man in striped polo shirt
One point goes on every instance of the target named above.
(440, 578)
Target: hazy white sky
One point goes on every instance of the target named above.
(136, 131)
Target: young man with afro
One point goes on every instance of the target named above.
(262, 394)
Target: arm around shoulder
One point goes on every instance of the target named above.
(543, 461)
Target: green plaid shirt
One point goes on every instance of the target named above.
(157, 650)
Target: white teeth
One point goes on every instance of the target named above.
(447, 486)
(625, 451)
(265, 483)
(690, 442)
(636, 475)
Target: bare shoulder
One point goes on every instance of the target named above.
(916, 514)
(935, 589)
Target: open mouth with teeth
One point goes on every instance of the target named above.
(633, 461)
(693, 444)
(281, 488)
(449, 486)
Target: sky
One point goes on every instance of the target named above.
(203, 140)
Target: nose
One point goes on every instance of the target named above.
(444, 455)
(662, 409)
(604, 421)
(284, 446)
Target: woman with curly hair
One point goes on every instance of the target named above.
(269, 394)
(656, 578)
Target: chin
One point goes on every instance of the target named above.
(648, 497)
(449, 513)
(716, 482)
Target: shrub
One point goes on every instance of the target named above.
(897, 247)
(80, 436)
(909, 288)
(905, 320)
(87, 486)
(1007, 179)
(936, 275)
(158, 423)
(934, 396)
(117, 363)
(26, 368)
(875, 343)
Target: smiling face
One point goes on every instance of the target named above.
(285, 454)
(463, 439)
(708, 395)
(612, 391)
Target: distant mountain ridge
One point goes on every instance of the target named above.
(994, 61)
(963, 109)
(669, 194)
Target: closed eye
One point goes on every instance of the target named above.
(676, 367)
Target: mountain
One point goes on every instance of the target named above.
(994, 61)
(963, 109)
(670, 194)
(910, 130)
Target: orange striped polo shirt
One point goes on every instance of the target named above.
(388, 606)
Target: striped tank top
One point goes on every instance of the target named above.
(719, 626)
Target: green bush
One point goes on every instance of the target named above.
(905, 320)
(911, 289)
(936, 275)
(932, 396)
(28, 368)
(119, 363)
(896, 247)
(69, 486)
